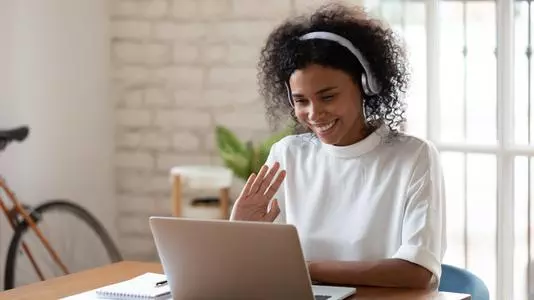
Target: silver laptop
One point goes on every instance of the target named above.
(217, 259)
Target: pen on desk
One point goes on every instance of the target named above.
(163, 282)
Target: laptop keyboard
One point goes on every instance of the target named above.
(322, 297)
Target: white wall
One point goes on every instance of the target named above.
(54, 62)
(7, 107)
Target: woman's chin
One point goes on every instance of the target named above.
(329, 138)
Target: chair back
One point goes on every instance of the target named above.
(457, 280)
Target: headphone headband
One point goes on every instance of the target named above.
(324, 35)
(369, 83)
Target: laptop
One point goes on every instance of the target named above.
(218, 259)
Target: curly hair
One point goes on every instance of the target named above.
(284, 53)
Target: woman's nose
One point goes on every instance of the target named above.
(315, 111)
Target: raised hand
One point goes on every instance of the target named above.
(253, 202)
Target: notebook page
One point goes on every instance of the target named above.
(89, 295)
(143, 286)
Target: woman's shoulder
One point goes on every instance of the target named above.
(410, 144)
(400, 139)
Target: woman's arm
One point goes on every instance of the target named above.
(384, 273)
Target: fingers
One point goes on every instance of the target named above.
(258, 180)
(274, 212)
(248, 185)
(269, 178)
(271, 191)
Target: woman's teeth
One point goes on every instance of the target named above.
(325, 127)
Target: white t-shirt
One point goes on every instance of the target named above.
(382, 197)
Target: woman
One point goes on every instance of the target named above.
(367, 200)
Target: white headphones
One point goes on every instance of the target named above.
(369, 83)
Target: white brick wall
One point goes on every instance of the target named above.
(179, 68)
(250, 9)
(131, 29)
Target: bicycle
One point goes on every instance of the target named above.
(26, 249)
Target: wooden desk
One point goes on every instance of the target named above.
(88, 280)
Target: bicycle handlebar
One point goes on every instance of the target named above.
(18, 134)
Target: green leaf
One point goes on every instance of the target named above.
(244, 158)
(255, 160)
(265, 147)
(237, 163)
(233, 152)
(227, 141)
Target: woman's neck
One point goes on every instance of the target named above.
(360, 132)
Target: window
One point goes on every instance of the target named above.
(471, 96)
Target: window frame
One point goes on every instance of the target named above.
(505, 149)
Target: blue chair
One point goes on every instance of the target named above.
(456, 280)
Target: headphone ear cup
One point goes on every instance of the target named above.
(364, 110)
(365, 86)
(367, 92)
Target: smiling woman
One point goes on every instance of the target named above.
(346, 41)
(326, 100)
(367, 199)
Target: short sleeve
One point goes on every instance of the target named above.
(424, 223)
(275, 156)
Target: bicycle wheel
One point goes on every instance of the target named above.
(78, 238)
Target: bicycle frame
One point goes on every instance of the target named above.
(17, 206)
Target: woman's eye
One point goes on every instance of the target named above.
(328, 97)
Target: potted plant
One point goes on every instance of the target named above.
(244, 157)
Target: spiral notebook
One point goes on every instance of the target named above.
(140, 287)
